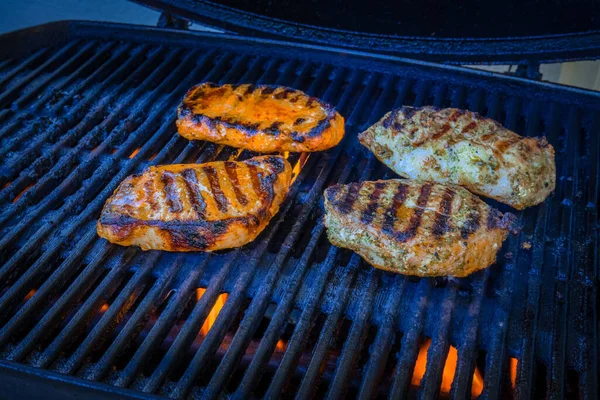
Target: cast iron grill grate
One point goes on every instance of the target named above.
(289, 314)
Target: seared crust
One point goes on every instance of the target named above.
(192, 207)
(412, 228)
(460, 147)
(259, 118)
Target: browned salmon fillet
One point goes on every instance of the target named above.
(460, 147)
(191, 207)
(412, 228)
(259, 118)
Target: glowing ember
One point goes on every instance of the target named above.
(22, 193)
(153, 157)
(7, 184)
(134, 153)
(104, 307)
(281, 345)
(449, 370)
(286, 154)
(30, 294)
(513, 371)
(214, 313)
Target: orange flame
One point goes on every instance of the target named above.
(449, 370)
(513, 371)
(299, 165)
(30, 294)
(153, 157)
(477, 386)
(235, 156)
(104, 307)
(214, 313)
(22, 193)
(7, 184)
(134, 153)
(281, 345)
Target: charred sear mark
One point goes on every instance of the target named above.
(299, 121)
(332, 192)
(232, 172)
(390, 117)
(249, 90)
(440, 224)
(191, 181)
(415, 220)
(170, 188)
(310, 102)
(409, 112)
(149, 191)
(494, 218)
(188, 237)
(297, 137)
(389, 216)
(284, 94)
(369, 212)
(445, 128)
(277, 163)
(267, 90)
(274, 128)
(348, 202)
(321, 126)
(471, 224)
(215, 187)
(456, 114)
(469, 127)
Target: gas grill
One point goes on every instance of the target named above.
(83, 105)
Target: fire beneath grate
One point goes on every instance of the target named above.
(288, 315)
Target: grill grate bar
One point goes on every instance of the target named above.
(92, 304)
(164, 323)
(23, 65)
(353, 344)
(127, 334)
(36, 168)
(383, 342)
(438, 350)
(83, 127)
(72, 202)
(9, 94)
(44, 100)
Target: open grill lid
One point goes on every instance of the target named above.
(508, 32)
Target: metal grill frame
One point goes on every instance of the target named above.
(365, 298)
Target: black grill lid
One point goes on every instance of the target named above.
(511, 31)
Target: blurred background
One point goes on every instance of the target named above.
(18, 14)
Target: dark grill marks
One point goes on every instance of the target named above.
(415, 220)
(472, 223)
(215, 188)
(469, 127)
(250, 89)
(232, 172)
(274, 128)
(369, 212)
(299, 121)
(170, 188)
(284, 94)
(191, 181)
(348, 202)
(149, 189)
(440, 224)
(390, 214)
(268, 90)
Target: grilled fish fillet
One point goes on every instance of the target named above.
(259, 118)
(412, 228)
(191, 207)
(460, 147)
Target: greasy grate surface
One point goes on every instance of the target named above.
(298, 315)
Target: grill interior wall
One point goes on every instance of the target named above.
(301, 315)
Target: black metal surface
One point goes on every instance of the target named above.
(302, 318)
(455, 33)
